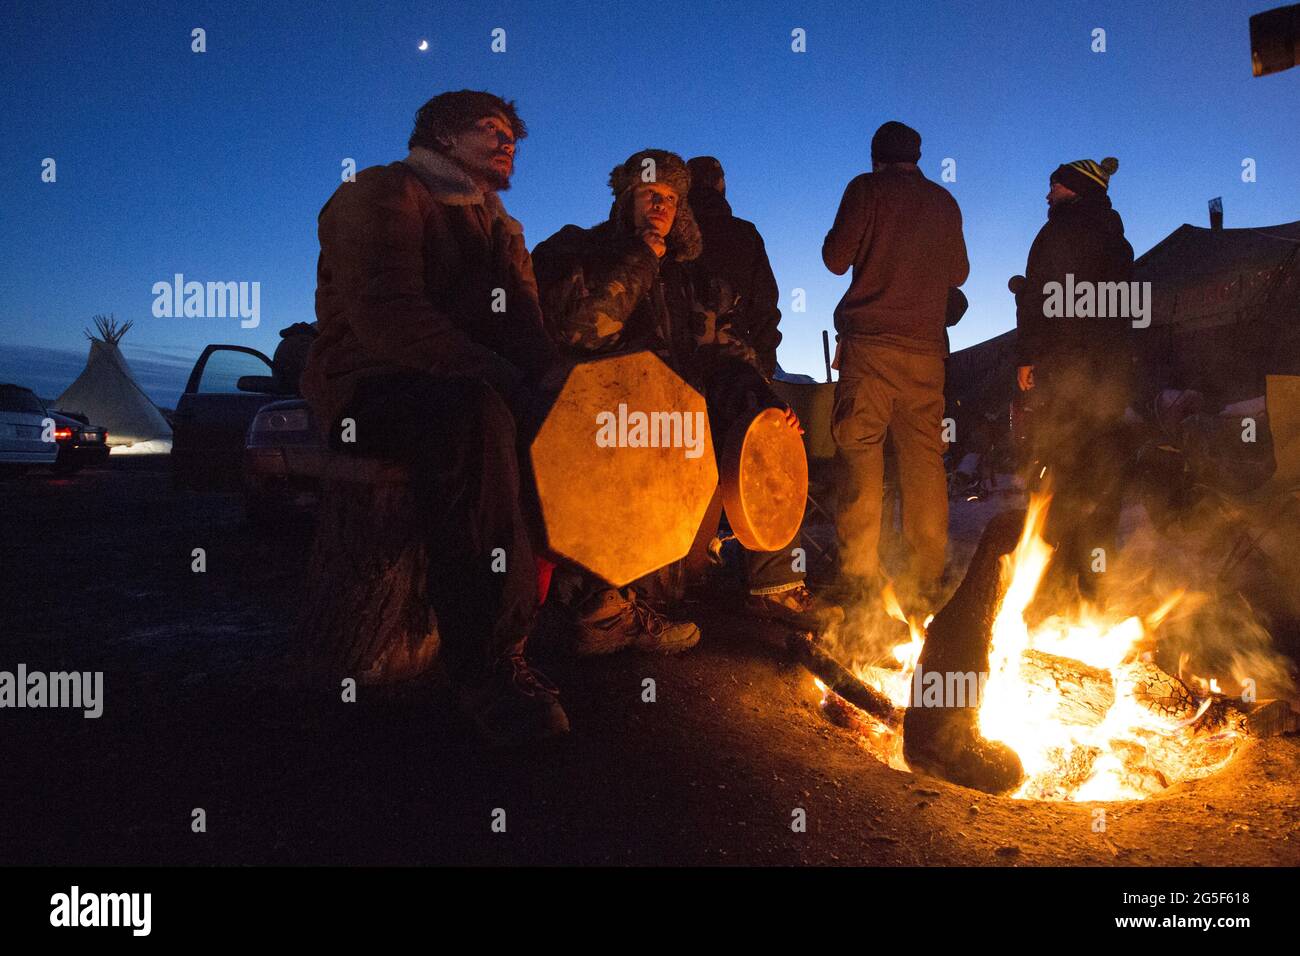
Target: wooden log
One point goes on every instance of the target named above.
(365, 611)
(842, 681)
(1083, 694)
(1271, 718)
(945, 741)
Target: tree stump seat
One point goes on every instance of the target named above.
(365, 611)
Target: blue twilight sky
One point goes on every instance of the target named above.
(215, 165)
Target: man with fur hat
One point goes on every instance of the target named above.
(1078, 367)
(633, 283)
(412, 362)
(902, 236)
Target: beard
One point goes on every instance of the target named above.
(496, 179)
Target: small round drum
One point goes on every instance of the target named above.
(764, 481)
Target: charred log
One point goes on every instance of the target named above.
(842, 681)
(945, 740)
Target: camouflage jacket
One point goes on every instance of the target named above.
(603, 291)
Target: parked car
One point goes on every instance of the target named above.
(240, 426)
(80, 443)
(284, 456)
(26, 430)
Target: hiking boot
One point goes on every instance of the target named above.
(515, 704)
(797, 607)
(610, 622)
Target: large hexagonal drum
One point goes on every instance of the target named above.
(624, 466)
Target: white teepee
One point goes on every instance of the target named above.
(108, 394)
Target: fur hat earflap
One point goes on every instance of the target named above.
(658, 166)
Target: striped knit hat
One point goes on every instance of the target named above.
(1083, 176)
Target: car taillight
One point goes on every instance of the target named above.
(290, 420)
(63, 434)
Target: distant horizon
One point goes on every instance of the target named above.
(215, 164)
(163, 372)
(48, 371)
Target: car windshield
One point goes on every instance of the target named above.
(15, 399)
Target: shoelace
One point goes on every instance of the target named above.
(803, 597)
(650, 620)
(529, 678)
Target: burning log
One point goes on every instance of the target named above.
(1082, 694)
(945, 740)
(842, 681)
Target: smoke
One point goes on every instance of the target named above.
(1222, 627)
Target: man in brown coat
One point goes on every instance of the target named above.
(430, 340)
(902, 236)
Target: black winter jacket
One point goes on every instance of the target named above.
(1084, 238)
(734, 252)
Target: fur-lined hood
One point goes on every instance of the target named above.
(448, 183)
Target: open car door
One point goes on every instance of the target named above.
(213, 415)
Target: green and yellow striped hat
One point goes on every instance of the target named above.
(1083, 175)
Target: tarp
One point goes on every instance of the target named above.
(1225, 308)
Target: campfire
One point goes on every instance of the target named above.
(1072, 708)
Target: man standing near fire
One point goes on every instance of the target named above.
(632, 283)
(1077, 370)
(416, 361)
(902, 236)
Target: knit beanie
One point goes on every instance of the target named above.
(1083, 176)
(895, 143)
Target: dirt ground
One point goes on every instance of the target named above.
(97, 577)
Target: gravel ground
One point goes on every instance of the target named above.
(98, 577)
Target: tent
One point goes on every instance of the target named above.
(1225, 309)
(109, 395)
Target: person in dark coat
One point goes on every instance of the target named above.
(902, 236)
(290, 356)
(416, 361)
(634, 282)
(734, 252)
(1077, 367)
